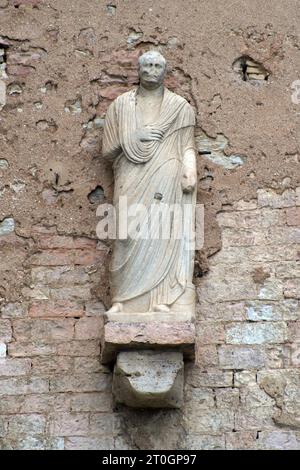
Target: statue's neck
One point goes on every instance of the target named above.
(153, 93)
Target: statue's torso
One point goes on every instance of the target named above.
(148, 109)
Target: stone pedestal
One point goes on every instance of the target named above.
(147, 351)
(150, 330)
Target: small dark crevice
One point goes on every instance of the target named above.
(96, 195)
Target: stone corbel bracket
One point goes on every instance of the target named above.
(148, 352)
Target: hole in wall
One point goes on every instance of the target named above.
(96, 195)
(250, 70)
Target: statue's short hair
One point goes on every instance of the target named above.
(151, 55)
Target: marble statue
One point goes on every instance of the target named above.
(149, 137)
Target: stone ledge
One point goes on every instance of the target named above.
(152, 335)
(149, 379)
(146, 317)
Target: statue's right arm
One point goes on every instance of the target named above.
(111, 146)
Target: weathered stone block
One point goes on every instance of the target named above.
(279, 440)
(215, 421)
(69, 424)
(48, 309)
(12, 310)
(211, 378)
(23, 385)
(241, 440)
(5, 331)
(258, 333)
(227, 398)
(28, 424)
(43, 330)
(89, 328)
(25, 349)
(241, 357)
(204, 442)
(149, 379)
(89, 443)
(13, 367)
(244, 378)
(80, 383)
(101, 424)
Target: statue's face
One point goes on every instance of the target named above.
(152, 72)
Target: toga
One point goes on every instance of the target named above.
(150, 173)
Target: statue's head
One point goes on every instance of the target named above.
(152, 69)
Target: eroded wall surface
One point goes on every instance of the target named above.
(61, 65)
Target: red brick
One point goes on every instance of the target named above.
(210, 333)
(58, 276)
(43, 330)
(112, 92)
(123, 58)
(45, 309)
(294, 332)
(23, 58)
(79, 348)
(89, 328)
(30, 348)
(292, 289)
(19, 70)
(57, 241)
(207, 356)
(25, 2)
(71, 293)
(67, 257)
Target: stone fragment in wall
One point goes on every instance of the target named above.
(270, 198)
(96, 123)
(3, 164)
(73, 106)
(14, 89)
(2, 349)
(213, 150)
(111, 10)
(2, 94)
(7, 226)
(134, 37)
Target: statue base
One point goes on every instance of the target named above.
(148, 351)
(171, 331)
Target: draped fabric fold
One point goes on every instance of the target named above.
(142, 171)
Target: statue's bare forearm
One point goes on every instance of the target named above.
(189, 177)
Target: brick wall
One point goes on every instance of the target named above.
(62, 63)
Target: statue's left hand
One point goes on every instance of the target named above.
(189, 180)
